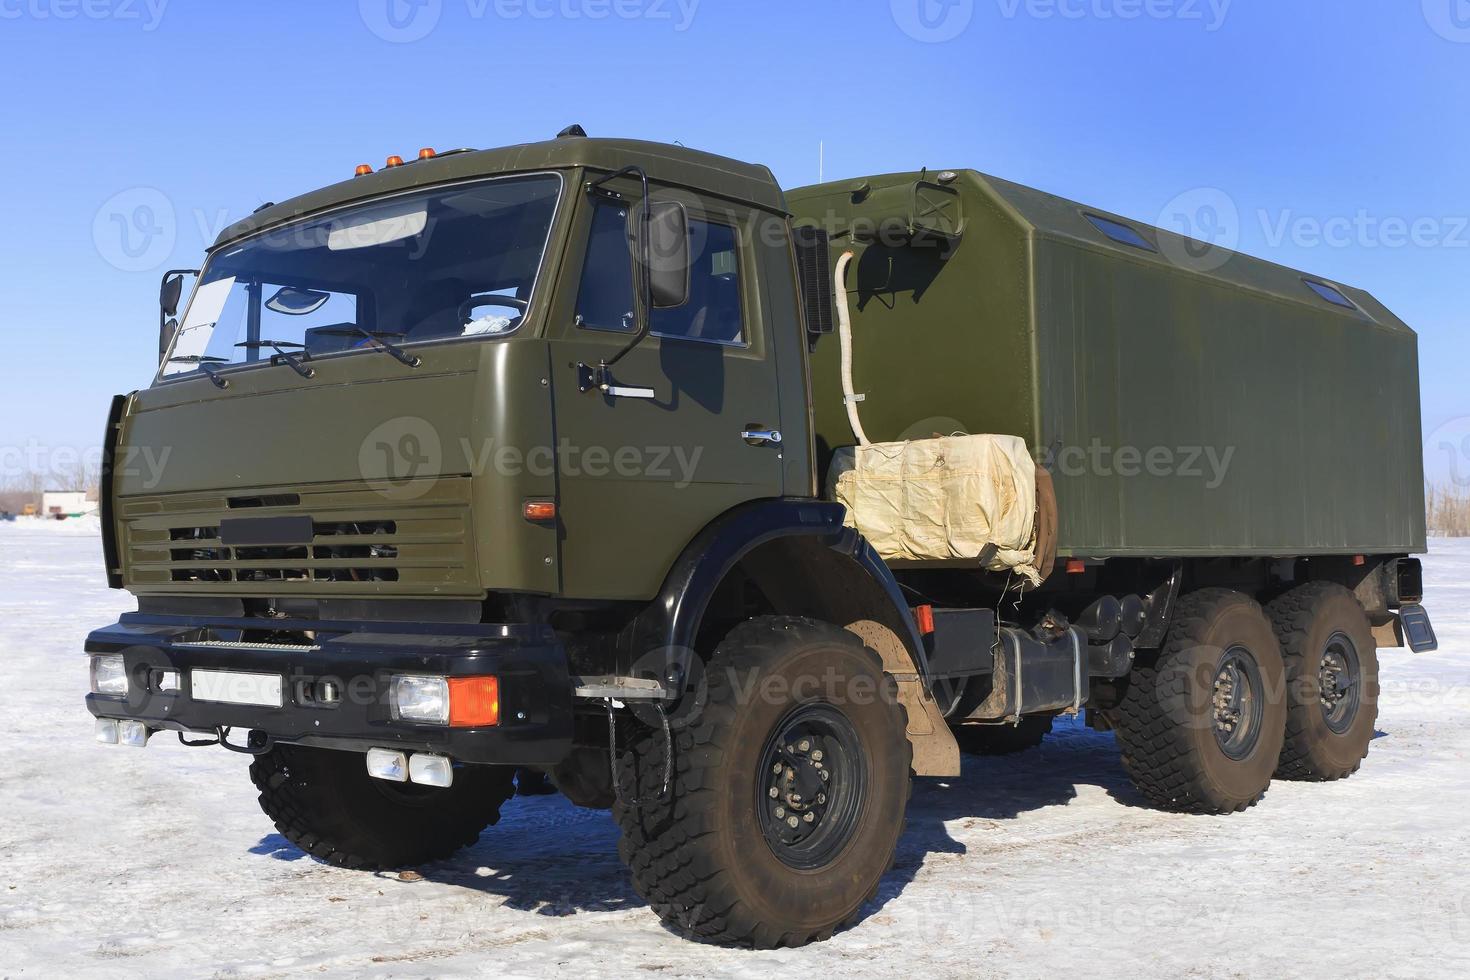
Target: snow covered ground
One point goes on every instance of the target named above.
(118, 861)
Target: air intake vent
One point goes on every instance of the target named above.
(330, 539)
(814, 274)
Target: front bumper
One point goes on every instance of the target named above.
(355, 660)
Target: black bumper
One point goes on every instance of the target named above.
(358, 659)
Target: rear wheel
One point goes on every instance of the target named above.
(787, 794)
(1003, 739)
(1331, 681)
(325, 803)
(1201, 726)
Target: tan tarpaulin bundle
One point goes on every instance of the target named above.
(956, 497)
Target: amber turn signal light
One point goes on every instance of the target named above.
(363, 170)
(924, 619)
(427, 153)
(539, 510)
(474, 702)
(394, 161)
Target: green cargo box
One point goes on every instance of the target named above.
(1188, 401)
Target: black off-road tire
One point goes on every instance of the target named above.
(1003, 739)
(701, 857)
(325, 803)
(1166, 723)
(1308, 620)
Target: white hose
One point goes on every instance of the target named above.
(844, 335)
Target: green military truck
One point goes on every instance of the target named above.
(525, 458)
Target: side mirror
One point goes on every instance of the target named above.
(170, 291)
(166, 336)
(668, 254)
(169, 294)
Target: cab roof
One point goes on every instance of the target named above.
(678, 166)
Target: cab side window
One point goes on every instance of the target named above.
(713, 312)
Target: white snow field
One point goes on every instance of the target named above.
(157, 862)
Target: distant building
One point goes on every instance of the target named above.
(66, 503)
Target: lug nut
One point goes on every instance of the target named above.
(792, 822)
(776, 769)
(817, 756)
(803, 745)
(826, 775)
(808, 818)
(780, 812)
(775, 792)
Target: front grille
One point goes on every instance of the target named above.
(362, 541)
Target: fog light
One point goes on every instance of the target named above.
(133, 733)
(105, 731)
(430, 770)
(109, 676)
(387, 764)
(415, 697)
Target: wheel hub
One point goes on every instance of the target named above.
(798, 789)
(1236, 703)
(811, 786)
(1338, 683)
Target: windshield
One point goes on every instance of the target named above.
(450, 263)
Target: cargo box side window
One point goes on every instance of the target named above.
(1330, 294)
(1120, 233)
(712, 314)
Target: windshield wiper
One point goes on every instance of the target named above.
(279, 347)
(375, 335)
(207, 365)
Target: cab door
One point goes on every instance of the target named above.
(640, 476)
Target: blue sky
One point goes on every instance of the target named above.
(1323, 134)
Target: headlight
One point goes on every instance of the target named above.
(459, 702)
(419, 698)
(109, 676)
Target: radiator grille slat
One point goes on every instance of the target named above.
(363, 541)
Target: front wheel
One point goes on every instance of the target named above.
(787, 795)
(325, 803)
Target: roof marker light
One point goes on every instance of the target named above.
(394, 161)
(427, 153)
(363, 170)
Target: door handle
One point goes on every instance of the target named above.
(757, 436)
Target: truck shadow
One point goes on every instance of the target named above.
(547, 857)
(1004, 788)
